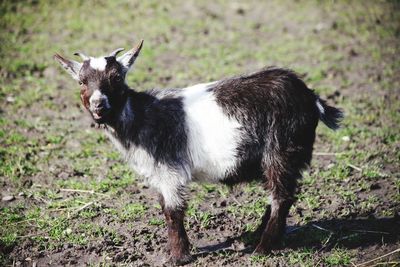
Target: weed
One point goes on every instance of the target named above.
(338, 257)
(346, 52)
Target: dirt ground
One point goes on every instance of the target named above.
(69, 200)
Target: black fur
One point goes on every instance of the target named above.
(331, 116)
(279, 116)
(158, 126)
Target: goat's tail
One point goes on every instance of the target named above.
(330, 116)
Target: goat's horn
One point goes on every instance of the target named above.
(115, 52)
(83, 56)
(138, 48)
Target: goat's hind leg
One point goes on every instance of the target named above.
(282, 187)
(275, 228)
(264, 221)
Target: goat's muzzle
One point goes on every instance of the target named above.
(100, 113)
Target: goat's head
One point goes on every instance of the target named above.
(102, 80)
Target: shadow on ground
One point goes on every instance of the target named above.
(322, 235)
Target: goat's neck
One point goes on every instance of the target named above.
(130, 118)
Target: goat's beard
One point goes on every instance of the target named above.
(100, 125)
(102, 118)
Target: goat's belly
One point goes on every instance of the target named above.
(240, 171)
(212, 173)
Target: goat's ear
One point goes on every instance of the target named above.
(71, 66)
(127, 59)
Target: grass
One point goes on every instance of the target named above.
(70, 186)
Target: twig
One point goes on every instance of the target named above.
(395, 263)
(23, 221)
(75, 212)
(380, 257)
(320, 228)
(346, 237)
(61, 209)
(328, 153)
(237, 201)
(51, 147)
(83, 191)
(84, 206)
(31, 235)
(41, 199)
(354, 167)
(80, 209)
(326, 242)
(318, 262)
(372, 232)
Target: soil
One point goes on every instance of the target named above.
(225, 239)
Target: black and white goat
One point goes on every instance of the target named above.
(257, 126)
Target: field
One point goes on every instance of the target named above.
(67, 197)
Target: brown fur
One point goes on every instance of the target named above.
(178, 242)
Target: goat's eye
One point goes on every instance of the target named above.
(117, 79)
(80, 83)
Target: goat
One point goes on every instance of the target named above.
(256, 126)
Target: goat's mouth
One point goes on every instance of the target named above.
(100, 115)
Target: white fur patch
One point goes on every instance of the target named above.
(97, 96)
(98, 63)
(165, 180)
(320, 107)
(213, 137)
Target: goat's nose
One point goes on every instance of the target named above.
(98, 103)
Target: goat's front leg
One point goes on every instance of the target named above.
(178, 242)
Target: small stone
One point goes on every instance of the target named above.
(330, 166)
(8, 198)
(319, 27)
(68, 231)
(346, 138)
(10, 99)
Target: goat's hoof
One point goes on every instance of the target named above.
(182, 260)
